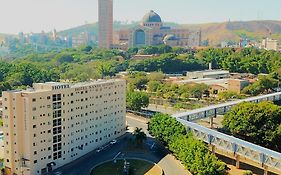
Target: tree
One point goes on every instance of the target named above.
(257, 122)
(153, 86)
(198, 90)
(226, 95)
(139, 135)
(138, 80)
(264, 84)
(155, 76)
(164, 127)
(196, 157)
(137, 100)
(193, 153)
(63, 58)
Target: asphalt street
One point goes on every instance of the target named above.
(155, 152)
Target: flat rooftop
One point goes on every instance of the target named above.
(48, 86)
(209, 72)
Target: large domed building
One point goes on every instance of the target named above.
(151, 31)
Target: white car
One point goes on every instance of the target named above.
(112, 142)
(99, 149)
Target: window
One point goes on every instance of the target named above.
(57, 147)
(34, 126)
(35, 161)
(34, 100)
(56, 97)
(55, 155)
(57, 139)
(57, 105)
(57, 114)
(56, 122)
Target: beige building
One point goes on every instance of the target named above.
(53, 124)
(269, 44)
(105, 23)
(236, 85)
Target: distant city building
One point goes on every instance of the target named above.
(21, 37)
(54, 35)
(215, 74)
(105, 23)
(217, 86)
(151, 31)
(269, 44)
(82, 39)
(53, 124)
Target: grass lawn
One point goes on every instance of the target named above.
(137, 167)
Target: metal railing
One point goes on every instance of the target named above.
(262, 156)
(223, 108)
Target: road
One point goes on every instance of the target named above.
(168, 163)
(157, 154)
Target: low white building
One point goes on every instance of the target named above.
(215, 74)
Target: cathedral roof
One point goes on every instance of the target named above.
(151, 17)
(169, 38)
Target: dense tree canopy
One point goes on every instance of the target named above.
(264, 84)
(136, 100)
(194, 154)
(167, 63)
(257, 122)
(87, 63)
(164, 127)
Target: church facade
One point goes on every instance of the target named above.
(152, 32)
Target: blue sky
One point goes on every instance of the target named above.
(38, 15)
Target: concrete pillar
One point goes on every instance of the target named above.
(237, 159)
(265, 170)
(211, 122)
(212, 148)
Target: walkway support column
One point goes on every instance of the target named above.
(211, 122)
(265, 170)
(237, 159)
(212, 148)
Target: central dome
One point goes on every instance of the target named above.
(151, 17)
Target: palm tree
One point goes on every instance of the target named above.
(139, 135)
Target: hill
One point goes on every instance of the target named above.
(93, 28)
(233, 31)
(214, 32)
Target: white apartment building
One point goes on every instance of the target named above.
(269, 44)
(53, 124)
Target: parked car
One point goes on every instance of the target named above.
(99, 149)
(112, 142)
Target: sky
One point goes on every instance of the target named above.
(38, 15)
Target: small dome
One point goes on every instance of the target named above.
(151, 17)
